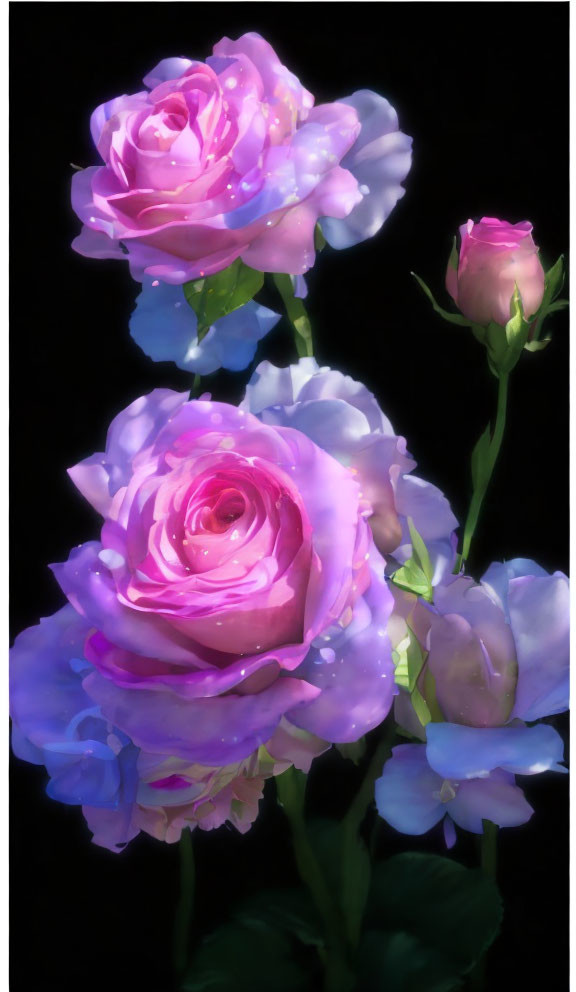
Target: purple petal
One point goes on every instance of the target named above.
(215, 730)
(540, 620)
(537, 606)
(379, 160)
(45, 692)
(353, 668)
(89, 586)
(407, 792)
(458, 752)
(496, 798)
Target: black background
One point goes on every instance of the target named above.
(482, 88)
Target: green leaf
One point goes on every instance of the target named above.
(537, 345)
(558, 305)
(554, 281)
(452, 318)
(453, 913)
(247, 958)
(354, 751)
(222, 293)
(399, 962)
(420, 551)
(411, 578)
(420, 707)
(416, 574)
(287, 910)
(296, 313)
(409, 660)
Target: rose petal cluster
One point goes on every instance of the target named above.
(343, 418)
(92, 763)
(230, 158)
(495, 258)
(497, 659)
(231, 620)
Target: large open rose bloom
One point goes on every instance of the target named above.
(236, 601)
(230, 158)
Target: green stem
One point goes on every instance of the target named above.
(296, 313)
(365, 795)
(482, 484)
(350, 826)
(195, 386)
(489, 849)
(291, 797)
(185, 905)
(489, 864)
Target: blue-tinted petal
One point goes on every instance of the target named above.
(407, 792)
(82, 773)
(271, 388)
(496, 798)
(500, 573)
(379, 160)
(537, 607)
(458, 752)
(45, 693)
(24, 749)
(166, 69)
(165, 327)
(540, 620)
(353, 667)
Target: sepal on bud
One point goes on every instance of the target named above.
(504, 345)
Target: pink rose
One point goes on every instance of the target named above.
(496, 256)
(217, 160)
(236, 583)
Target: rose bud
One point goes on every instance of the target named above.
(495, 256)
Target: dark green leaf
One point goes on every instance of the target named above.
(242, 958)
(452, 318)
(553, 285)
(222, 293)
(288, 910)
(449, 909)
(558, 305)
(554, 279)
(399, 962)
